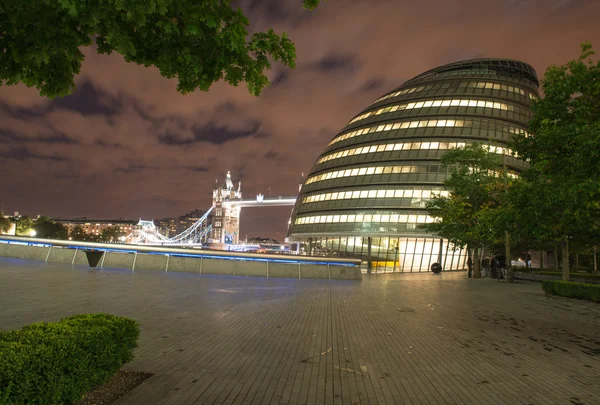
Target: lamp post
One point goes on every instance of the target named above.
(397, 248)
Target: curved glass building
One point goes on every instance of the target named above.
(365, 195)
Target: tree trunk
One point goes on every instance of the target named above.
(576, 261)
(509, 269)
(556, 266)
(565, 260)
(476, 267)
(542, 252)
(595, 264)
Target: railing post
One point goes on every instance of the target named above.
(167, 266)
(134, 260)
(48, 254)
(268, 269)
(103, 257)
(200, 269)
(74, 256)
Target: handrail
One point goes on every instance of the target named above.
(182, 251)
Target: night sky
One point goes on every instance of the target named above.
(126, 144)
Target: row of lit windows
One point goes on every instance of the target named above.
(364, 218)
(345, 195)
(388, 147)
(478, 85)
(363, 171)
(478, 71)
(418, 124)
(440, 103)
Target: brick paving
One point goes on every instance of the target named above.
(390, 339)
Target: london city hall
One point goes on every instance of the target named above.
(365, 195)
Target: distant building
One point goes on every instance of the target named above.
(171, 227)
(96, 226)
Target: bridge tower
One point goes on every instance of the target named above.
(226, 223)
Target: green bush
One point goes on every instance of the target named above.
(590, 292)
(574, 274)
(58, 362)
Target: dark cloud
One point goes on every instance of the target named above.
(371, 85)
(133, 168)
(276, 11)
(211, 133)
(280, 78)
(7, 136)
(273, 155)
(199, 169)
(20, 112)
(87, 100)
(23, 154)
(336, 63)
(110, 145)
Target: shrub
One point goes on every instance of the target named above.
(551, 272)
(58, 362)
(590, 292)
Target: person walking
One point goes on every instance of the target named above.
(470, 266)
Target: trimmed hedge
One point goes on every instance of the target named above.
(590, 292)
(58, 362)
(553, 272)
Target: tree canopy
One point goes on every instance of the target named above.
(47, 228)
(196, 42)
(111, 234)
(23, 226)
(559, 195)
(4, 223)
(466, 217)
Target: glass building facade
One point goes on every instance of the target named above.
(366, 193)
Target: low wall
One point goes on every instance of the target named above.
(181, 260)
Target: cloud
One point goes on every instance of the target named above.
(336, 63)
(210, 133)
(23, 154)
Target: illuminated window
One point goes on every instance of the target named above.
(426, 123)
(404, 146)
(472, 84)
(426, 194)
(435, 103)
(365, 218)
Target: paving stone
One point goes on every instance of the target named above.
(390, 339)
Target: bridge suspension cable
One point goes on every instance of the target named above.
(148, 234)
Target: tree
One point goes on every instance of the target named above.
(78, 234)
(23, 226)
(47, 228)
(5, 224)
(559, 195)
(110, 234)
(197, 42)
(467, 217)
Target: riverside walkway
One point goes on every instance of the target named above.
(390, 339)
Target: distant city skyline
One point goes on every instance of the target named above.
(126, 144)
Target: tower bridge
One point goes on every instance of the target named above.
(223, 230)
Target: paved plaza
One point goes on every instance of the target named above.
(390, 339)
